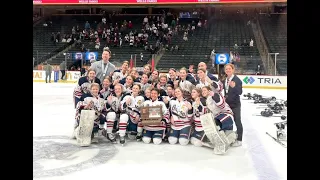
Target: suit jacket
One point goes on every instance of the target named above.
(233, 95)
(97, 67)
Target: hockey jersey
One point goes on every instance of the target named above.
(118, 75)
(132, 109)
(113, 103)
(216, 86)
(165, 114)
(83, 86)
(98, 104)
(217, 105)
(199, 110)
(180, 114)
(105, 92)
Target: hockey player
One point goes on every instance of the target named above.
(144, 82)
(91, 101)
(129, 83)
(114, 111)
(121, 73)
(166, 100)
(130, 115)
(155, 132)
(107, 87)
(181, 117)
(199, 108)
(186, 83)
(83, 85)
(222, 114)
(204, 80)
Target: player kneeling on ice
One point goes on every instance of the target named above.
(218, 123)
(155, 132)
(198, 137)
(89, 115)
(181, 115)
(130, 117)
(114, 111)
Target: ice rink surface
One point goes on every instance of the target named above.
(57, 157)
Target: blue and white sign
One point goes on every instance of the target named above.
(91, 56)
(222, 58)
(78, 56)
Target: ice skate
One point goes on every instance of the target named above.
(139, 137)
(122, 140)
(93, 139)
(85, 127)
(236, 144)
(212, 132)
(111, 137)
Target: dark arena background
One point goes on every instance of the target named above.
(167, 34)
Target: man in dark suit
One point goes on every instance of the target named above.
(233, 89)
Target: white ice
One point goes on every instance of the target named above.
(259, 158)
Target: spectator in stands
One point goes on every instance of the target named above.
(258, 70)
(251, 43)
(104, 67)
(87, 26)
(63, 69)
(48, 70)
(232, 86)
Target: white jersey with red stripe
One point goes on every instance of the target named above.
(83, 86)
(217, 105)
(198, 111)
(113, 104)
(214, 85)
(85, 99)
(132, 109)
(180, 114)
(165, 114)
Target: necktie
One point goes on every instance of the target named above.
(227, 86)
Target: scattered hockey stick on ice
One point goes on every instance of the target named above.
(277, 140)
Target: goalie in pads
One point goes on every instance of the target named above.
(89, 115)
(218, 123)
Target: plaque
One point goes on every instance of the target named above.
(151, 115)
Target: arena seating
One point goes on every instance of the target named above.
(119, 54)
(221, 35)
(275, 32)
(43, 47)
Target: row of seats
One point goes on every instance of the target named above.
(274, 28)
(221, 35)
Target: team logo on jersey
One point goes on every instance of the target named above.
(65, 156)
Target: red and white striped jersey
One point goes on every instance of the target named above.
(198, 111)
(180, 114)
(217, 105)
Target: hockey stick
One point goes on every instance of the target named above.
(277, 140)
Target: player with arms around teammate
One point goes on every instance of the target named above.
(84, 84)
(91, 101)
(181, 115)
(198, 137)
(186, 82)
(155, 132)
(130, 116)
